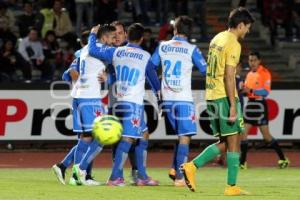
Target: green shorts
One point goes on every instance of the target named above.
(218, 111)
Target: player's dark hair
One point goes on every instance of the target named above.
(60, 1)
(27, 2)
(183, 25)
(118, 23)
(32, 28)
(255, 53)
(84, 37)
(239, 15)
(135, 32)
(50, 32)
(104, 29)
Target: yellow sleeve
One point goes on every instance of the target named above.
(232, 54)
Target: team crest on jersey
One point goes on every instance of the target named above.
(130, 49)
(135, 121)
(176, 43)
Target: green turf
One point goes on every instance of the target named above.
(34, 184)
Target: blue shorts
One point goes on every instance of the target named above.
(84, 113)
(181, 115)
(132, 118)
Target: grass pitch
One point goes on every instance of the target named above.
(41, 184)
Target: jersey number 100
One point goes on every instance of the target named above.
(125, 74)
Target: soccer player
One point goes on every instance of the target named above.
(131, 65)
(239, 86)
(85, 104)
(222, 101)
(121, 40)
(257, 87)
(177, 57)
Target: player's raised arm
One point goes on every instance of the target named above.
(104, 53)
(199, 61)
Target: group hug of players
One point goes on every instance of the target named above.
(112, 54)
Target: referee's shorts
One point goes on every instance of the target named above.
(256, 112)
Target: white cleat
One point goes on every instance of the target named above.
(92, 182)
(59, 173)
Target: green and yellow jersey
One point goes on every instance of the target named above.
(224, 49)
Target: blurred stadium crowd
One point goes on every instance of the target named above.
(38, 38)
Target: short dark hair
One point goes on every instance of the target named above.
(60, 1)
(239, 15)
(255, 53)
(118, 23)
(84, 37)
(50, 32)
(27, 2)
(32, 28)
(183, 25)
(135, 32)
(104, 29)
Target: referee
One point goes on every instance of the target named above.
(257, 87)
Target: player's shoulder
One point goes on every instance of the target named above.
(265, 70)
(226, 38)
(84, 51)
(133, 52)
(146, 54)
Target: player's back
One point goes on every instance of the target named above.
(224, 49)
(177, 64)
(87, 85)
(130, 63)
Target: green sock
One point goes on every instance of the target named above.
(207, 155)
(232, 167)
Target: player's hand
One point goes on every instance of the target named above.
(232, 114)
(159, 103)
(95, 29)
(246, 90)
(102, 77)
(74, 74)
(158, 95)
(38, 62)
